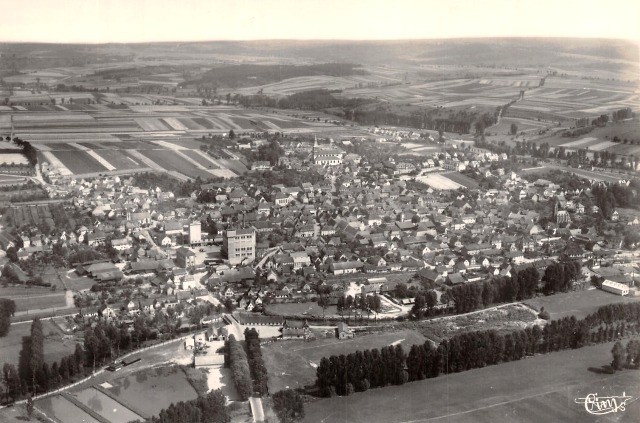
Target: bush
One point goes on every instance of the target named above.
(288, 405)
(544, 314)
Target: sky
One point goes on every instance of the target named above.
(101, 21)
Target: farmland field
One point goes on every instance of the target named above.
(119, 159)
(577, 303)
(167, 159)
(293, 363)
(79, 161)
(55, 347)
(197, 157)
(540, 388)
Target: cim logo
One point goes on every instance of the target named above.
(596, 405)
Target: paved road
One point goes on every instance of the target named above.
(256, 409)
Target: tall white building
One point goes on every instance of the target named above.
(240, 245)
(195, 233)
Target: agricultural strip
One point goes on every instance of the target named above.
(235, 165)
(56, 163)
(203, 122)
(100, 160)
(227, 119)
(540, 388)
(79, 162)
(119, 159)
(201, 158)
(152, 124)
(169, 160)
(175, 124)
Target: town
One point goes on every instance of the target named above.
(259, 264)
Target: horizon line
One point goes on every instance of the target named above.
(483, 37)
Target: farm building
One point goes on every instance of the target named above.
(295, 330)
(259, 320)
(343, 331)
(615, 287)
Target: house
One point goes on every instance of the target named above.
(185, 257)
(343, 331)
(292, 329)
(342, 268)
(189, 343)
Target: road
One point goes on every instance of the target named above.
(256, 409)
(235, 328)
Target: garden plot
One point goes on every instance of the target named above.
(64, 411)
(105, 406)
(153, 389)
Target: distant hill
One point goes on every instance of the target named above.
(253, 75)
(568, 53)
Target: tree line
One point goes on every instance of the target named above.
(256, 362)
(236, 358)
(34, 375)
(628, 356)
(7, 309)
(359, 371)
(27, 149)
(210, 408)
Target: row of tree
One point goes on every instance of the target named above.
(28, 150)
(236, 358)
(558, 277)
(628, 356)
(341, 375)
(256, 362)
(359, 371)
(210, 408)
(472, 296)
(7, 309)
(106, 340)
(33, 374)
